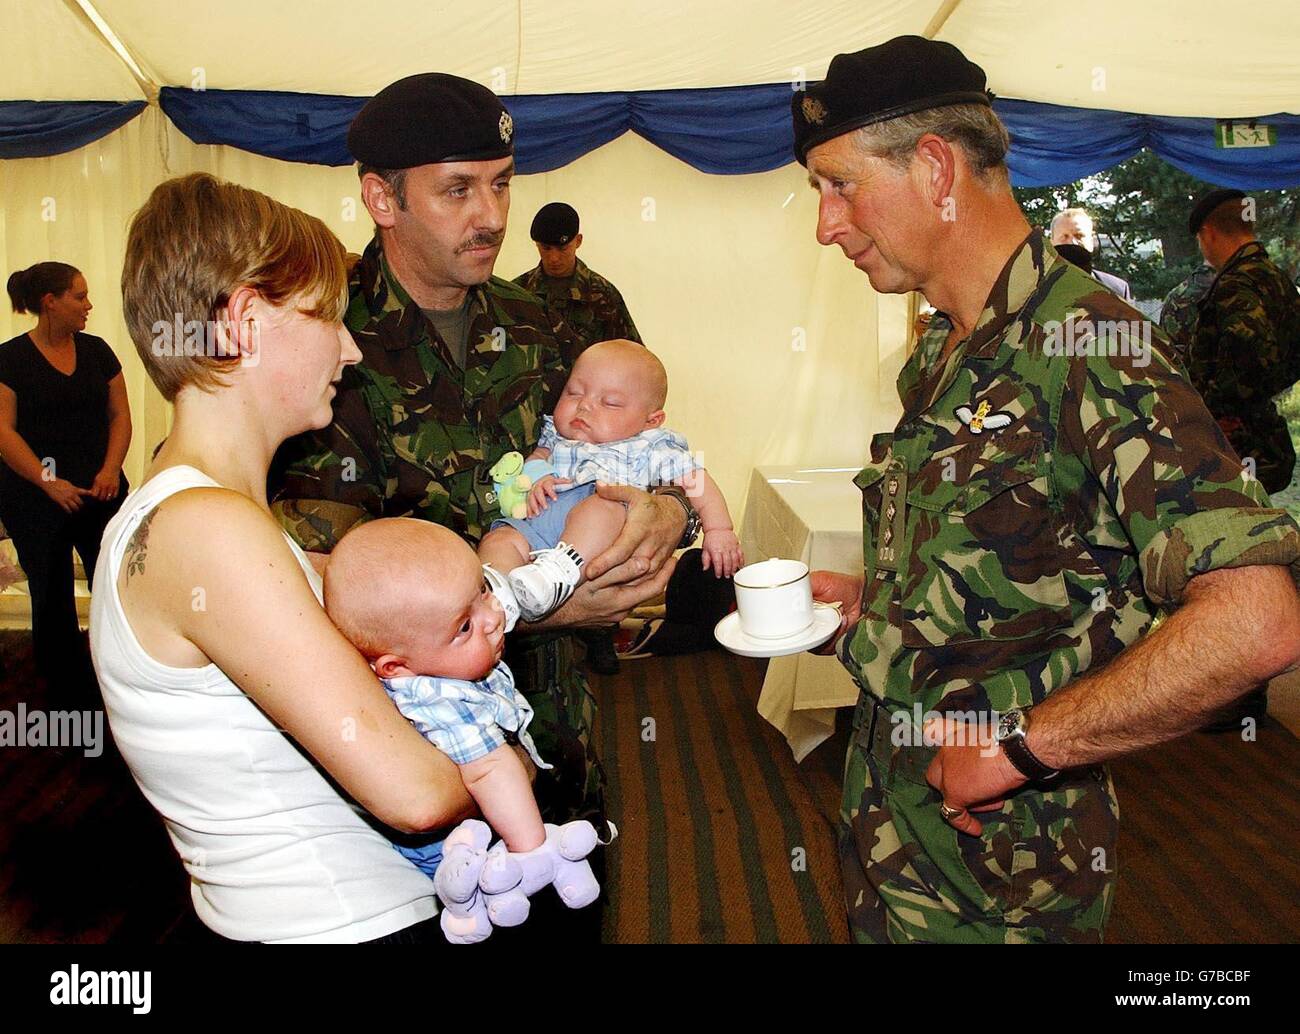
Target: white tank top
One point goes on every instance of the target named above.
(273, 851)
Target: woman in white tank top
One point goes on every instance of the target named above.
(227, 687)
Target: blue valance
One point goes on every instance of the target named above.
(1052, 144)
(37, 129)
(741, 129)
(727, 130)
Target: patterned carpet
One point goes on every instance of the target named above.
(713, 810)
(724, 838)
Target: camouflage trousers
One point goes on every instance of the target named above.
(1043, 869)
(564, 715)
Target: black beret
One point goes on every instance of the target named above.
(431, 117)
(907, 74)
(556, 223)
(1208, 203)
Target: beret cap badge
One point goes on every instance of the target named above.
(814, 111)
(507, 127)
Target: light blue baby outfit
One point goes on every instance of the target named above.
(464, 720)
(655, 457)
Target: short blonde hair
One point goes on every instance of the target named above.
(193, 243)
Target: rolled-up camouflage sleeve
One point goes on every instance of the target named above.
(1138, 450)
(335, 477)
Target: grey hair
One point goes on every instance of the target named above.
(973, 127)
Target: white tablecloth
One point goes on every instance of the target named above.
(813, 515)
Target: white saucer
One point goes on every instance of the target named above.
(826, 622)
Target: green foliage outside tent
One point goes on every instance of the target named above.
(1140, 208)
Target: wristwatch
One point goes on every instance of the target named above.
(1012, 728)
(693, 520)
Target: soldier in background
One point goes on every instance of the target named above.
(458, 368)
(1246, 348)
(1023, 486)
(1180, 309)
(589, 304)
(593, 310)
(1244, 352)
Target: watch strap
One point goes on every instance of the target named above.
(1024, 759)
(692, 530)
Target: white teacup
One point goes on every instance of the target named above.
(774, 598)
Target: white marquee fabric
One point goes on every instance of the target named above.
(778, 351)
(1164, 57)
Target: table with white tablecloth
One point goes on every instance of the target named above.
(813, 514)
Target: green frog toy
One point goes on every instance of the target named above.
(511, 484)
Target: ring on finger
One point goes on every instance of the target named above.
(950, 813)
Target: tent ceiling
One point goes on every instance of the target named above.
(1171, 57)
(1195, 58)
(49, 51)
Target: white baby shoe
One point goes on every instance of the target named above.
(504, 594)
(544, 585)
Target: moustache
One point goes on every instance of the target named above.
(483, 240)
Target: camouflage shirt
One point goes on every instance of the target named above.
(1245, 351)
(1032, 509)
(413, 433)
(588, 303)
(1179, 311)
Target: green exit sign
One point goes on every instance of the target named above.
(1244, 134)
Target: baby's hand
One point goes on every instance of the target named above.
(541, 494)
(722, 552)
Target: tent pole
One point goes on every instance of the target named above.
(940, 17)
(145, 79)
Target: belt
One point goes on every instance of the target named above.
(889, 736)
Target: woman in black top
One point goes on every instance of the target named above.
(64, 429)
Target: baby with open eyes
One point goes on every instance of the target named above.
(414, 600)
(607, 426)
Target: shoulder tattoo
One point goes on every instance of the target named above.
(138, 546)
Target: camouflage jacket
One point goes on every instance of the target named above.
(1037, 501)
(1179, 311)
(1245, 351)
(589, 304)
(413, 433)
